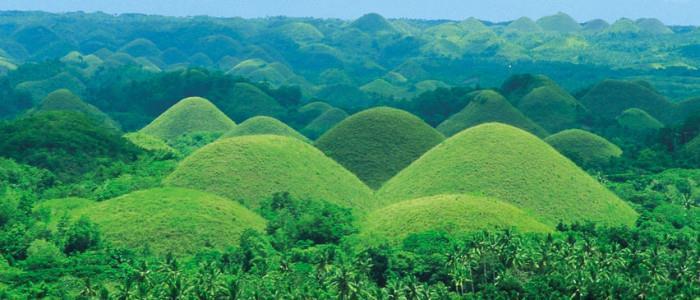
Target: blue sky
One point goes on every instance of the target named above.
(674, 12)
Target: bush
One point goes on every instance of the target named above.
(42, 254)
(81, 236)
(294, 221)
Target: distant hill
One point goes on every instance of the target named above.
(638, 122)
(373, 23)
(503, 162)
(376, 144)
(488, 106)
(250, 169)
(247, 101)
(324, 122)
(190, 115)
(560, 22)
(609, 98)
(65, 100)
(584, 148)
(261, 125)
(552, 108)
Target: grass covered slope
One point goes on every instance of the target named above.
(488, 106)
(190, 115)
(377, 143)
(451, 213)
(171, 220)
(252, 168)
(324, 122)
(609, 98)
(149, 142)
(584, 148)
(503, 162)
(65, 100)
(551, 107)
(638, 121)
(265, 125)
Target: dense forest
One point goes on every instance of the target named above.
(149, 157)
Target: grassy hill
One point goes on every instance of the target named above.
(518, 86)
(171, 220)
(609, 98)
(456, 214)
(488, 106)
(190, 115)
(264, 125)
(39, 89)
(584, 148)
(653, 26)
(560, 22)
(503, 162)
(523, 25)
(247, 101)
(595, 26)
(56, 209)
(252, 168)
(552, 108)
(377, 143)
(324, 122)
(65, 100)
(373, 23)
(149, 142)
(311, 111)
(635, 120)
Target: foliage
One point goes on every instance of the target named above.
(294, 222)
(67, 144)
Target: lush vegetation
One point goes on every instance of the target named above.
(123, 174)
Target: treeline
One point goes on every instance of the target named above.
(311, 253)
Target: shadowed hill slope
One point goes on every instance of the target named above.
(488, 106)
(378, 143)
(264, 125)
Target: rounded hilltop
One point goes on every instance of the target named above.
(377, 143)
(503, 162)
(190, 115)
(252, 168)
(174, 220)
(455, 214)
